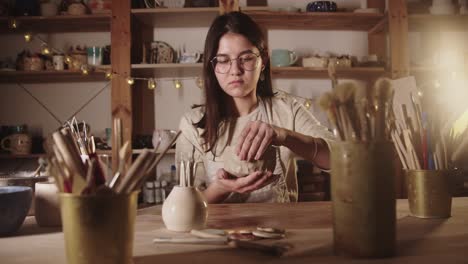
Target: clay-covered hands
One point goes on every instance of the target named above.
(249, 183)
(255, 139)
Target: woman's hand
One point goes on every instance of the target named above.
(256, 137)
(249, 183)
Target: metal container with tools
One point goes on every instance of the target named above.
(363, 196)
(430, 192)
(98, 228)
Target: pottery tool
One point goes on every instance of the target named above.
(327, 103)
(276, 249)
(344, 93)
(192, 240)
(208, 233)
(383, 97)
(124, 155)
(361, 102)
(133, 174)
(144, 164)
(72, 160)
(156, 161)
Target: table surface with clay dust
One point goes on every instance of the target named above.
(308, 229)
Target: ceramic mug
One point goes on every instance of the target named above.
(59, 63)
(19, 144)
(189, 57)
(47, 207)
(94, 55)
(283, 57)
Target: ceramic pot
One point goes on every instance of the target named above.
(47, 207)
(49, 9)
(18, 144)
(185, 209)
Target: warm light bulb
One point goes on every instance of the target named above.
(307, 104)
(45, 50)
(108, 75)
(130, 80)
(420, 93)
(28, 37)
(13, 24)
(85, 69)
(68, 60)
(151, 84)
(177, 84)
(199, 82)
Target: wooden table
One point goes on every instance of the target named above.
(308, 229)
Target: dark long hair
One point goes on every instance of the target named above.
(215, 98)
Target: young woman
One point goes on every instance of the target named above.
(241, 111)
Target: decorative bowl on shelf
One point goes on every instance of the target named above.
(315, 61)
(322, 6)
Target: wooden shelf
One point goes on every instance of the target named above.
(99, 152)
(167, 70)
(180, 17)
(64, 23)
(427, 22)
(197, 17)
(50, 76)
(317, 21)
(28, 156)
(312, 72)
(195, 69)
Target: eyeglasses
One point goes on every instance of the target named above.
(222, 63)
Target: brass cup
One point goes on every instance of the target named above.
(429, 193)
(363, 199)
(98, 229)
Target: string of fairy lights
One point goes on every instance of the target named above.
(86, 69)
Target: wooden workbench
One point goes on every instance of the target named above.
(308, 228)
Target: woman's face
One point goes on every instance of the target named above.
(238, 78)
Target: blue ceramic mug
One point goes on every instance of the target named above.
(283, 57)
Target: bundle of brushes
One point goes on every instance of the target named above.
(359, 114)
(427, 142)
(187, 169)
(77, 169)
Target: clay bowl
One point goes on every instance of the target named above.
(14, 206)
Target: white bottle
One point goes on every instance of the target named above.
(149, 193)
(157, 192)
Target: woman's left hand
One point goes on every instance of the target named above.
(256, 137)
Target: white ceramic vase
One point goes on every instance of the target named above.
(185, 209)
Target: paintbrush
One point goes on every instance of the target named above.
(344, 93)
(383, 96)
(327, 102)
(361, 102)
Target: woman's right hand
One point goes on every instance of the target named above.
(247, 184)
